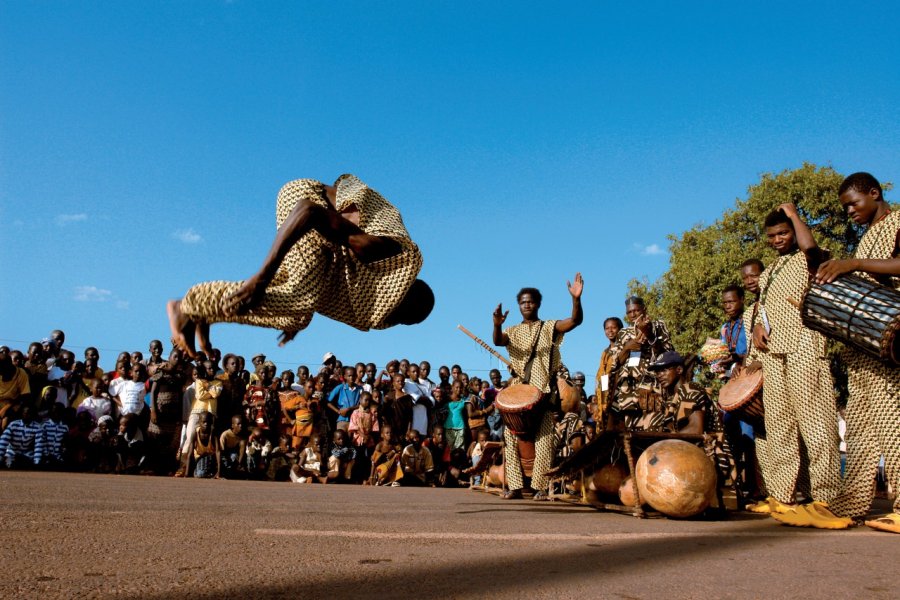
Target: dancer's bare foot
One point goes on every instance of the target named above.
(202, 333)
(286, 336)
(245, 298)
(182, 328)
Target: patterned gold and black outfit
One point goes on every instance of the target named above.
(546, 342)
(798, 391)
(873, 409)
(318, 276)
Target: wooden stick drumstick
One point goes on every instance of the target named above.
(481, 343)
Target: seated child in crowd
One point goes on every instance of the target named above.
(281, 459)
(207, 454)
(309, 463)
(385, 457)
(55, 433)
(22, 442)
(233, 448)
(130, 445)
(440, 454)
(77, 450)
(343, 455)
(416, 462)
(103, 444)
(258, 448)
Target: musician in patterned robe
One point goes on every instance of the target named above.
(341, 251)
(798, 393)
(685, 407)
(873, 410)
(635, 348)
(545, 338)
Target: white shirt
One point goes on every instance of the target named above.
(114, 386)
(131, 395)
(96, 406)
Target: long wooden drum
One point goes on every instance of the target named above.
(856, 311)
(743, 397)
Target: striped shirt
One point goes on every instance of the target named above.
(54, 434)
(21, 439)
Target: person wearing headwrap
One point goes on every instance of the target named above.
(341, 251)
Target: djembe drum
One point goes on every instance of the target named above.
(517, 405)
(743, 397)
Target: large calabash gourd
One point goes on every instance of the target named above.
(676, 478)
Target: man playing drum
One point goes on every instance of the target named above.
(798, 393)
(685, 407)
(537, 342)
(873, 411)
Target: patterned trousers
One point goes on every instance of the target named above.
(873, 430)
(798, 395)
(765, 471)
(543, 455)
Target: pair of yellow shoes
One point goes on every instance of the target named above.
(815, 514)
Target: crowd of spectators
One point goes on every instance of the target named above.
(220, 417)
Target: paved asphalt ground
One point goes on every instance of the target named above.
(101, 536)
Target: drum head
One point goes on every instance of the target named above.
(740, 389)
(518, 397)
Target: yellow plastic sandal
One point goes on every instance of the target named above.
(889, 522)
(822, 517)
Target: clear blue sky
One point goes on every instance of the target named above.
(142, 145)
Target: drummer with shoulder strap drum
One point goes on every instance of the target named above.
(533, 347)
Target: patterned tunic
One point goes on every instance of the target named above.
(318, 276)
(522, 338)
(631, 378)
(873, 412)
(782, 286)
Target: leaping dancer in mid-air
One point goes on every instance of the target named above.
(341, 251)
